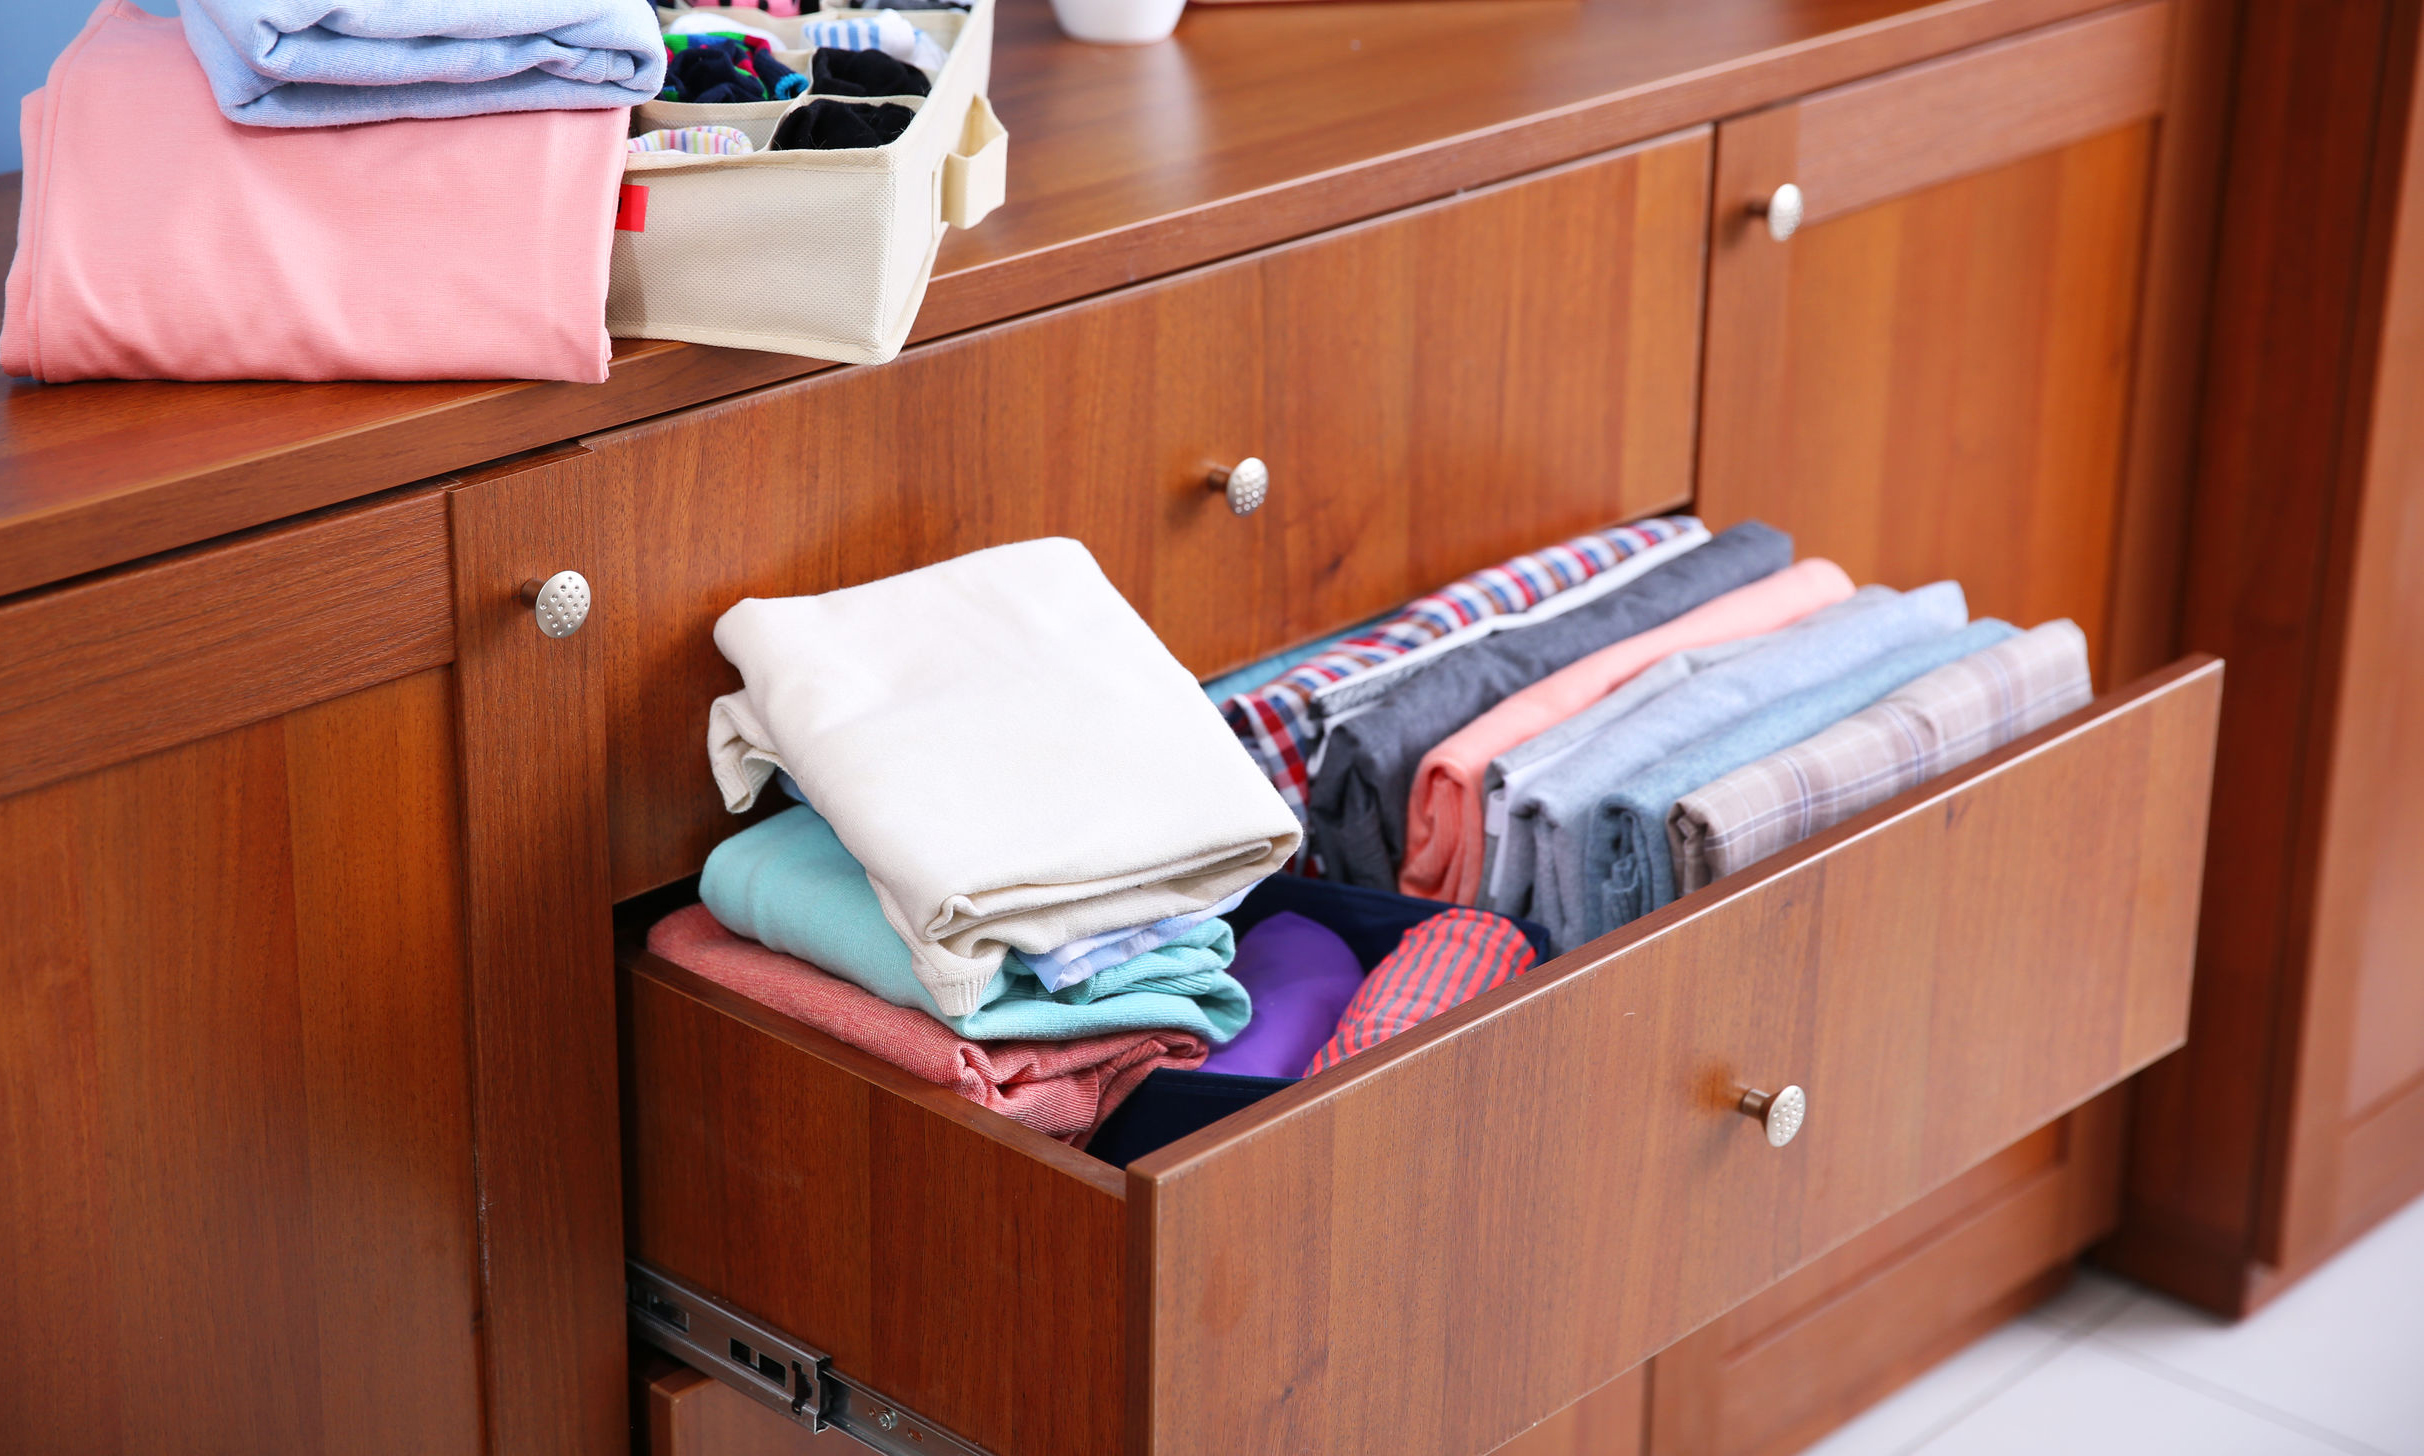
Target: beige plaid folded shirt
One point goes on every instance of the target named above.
(1920, 730)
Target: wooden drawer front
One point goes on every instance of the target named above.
(1452, 1237)
(1464, 1230)
(1933, 377)
(1434, 392)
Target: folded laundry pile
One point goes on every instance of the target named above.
(322, 251)
(1015, 877)
(435, 189)
(1089, 892)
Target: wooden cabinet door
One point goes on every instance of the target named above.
(238, 1208)
(1933, 376)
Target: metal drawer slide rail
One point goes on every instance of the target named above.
(774, 1369)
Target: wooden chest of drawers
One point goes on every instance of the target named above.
(1490, 287)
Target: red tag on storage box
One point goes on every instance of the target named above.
(631, 209)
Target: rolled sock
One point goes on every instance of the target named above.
(864, 73)
(879, 30)
(704, 141)
(839, 126)
(720, 21)
(1301, 976)
(709, 73)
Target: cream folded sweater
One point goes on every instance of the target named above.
(1005, 746)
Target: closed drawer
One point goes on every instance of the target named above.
(1437, 1243)
(1433, 392)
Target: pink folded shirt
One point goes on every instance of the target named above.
(1062, 1089)
(159, 240)
(1443, 815)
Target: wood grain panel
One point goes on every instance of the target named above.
(2369, 918)
(1801, 1358)
(1432, 393)
(378, 958)
(1944, 974)
(2151, 534)
(1936, 386)
(2235, 1173)
(235, 1153)
(941, 1254)
(1607, 1422)
(1977, 111)
(103, 670)
(539, 947)
(1247, 129)
(684, 1413)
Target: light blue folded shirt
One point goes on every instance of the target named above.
(1560, 810)
(1632, 864)
(330, 63)
(788, 883)
(1065, 966)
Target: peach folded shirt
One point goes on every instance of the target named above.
(1444, 816)
(159, 240)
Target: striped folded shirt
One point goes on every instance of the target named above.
(1276, 721)
(1932, 725)
(1445, 961)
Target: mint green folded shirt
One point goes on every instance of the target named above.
(788, 883)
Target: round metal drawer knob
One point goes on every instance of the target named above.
(1247, 484)
(1782, 209)
(560, 603)
(1778, 1114)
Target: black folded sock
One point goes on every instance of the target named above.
(864, 73)
(839, 126)
(711, 74)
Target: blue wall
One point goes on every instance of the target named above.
(32, 33)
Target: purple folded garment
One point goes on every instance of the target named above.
(1301, 976)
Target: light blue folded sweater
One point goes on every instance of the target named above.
(1632, 865)
(1561, 810)
(331, 63)
(788, 883)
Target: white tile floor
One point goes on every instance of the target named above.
(2336, 1365)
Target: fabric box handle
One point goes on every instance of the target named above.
(976, 172)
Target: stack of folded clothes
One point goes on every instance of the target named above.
(1023, 850)
(419, 190)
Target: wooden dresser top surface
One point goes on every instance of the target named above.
(1254, 125)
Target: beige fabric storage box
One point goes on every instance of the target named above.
(825, 254)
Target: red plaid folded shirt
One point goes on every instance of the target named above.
(1445, 961)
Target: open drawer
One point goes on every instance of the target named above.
(1446, 1239)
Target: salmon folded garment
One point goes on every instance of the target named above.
(159, 240)
(1443, 817)
(1063, 1089)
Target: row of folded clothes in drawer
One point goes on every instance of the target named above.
(1032, 860)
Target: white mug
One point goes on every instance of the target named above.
(1118, 22)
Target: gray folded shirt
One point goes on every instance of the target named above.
(1359, 794)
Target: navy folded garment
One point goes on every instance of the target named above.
(1169, 1104)
(1358, 801)
(1371, 922)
